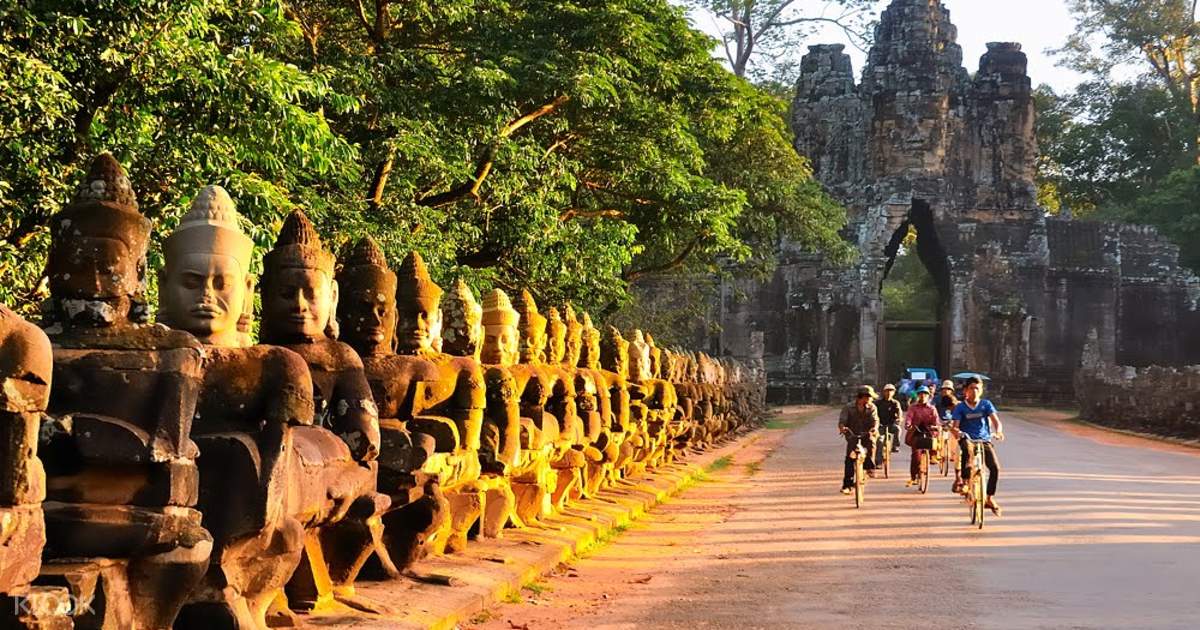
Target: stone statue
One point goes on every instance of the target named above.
(533, 480)
(121, 473)
(26, 366)
(251, 398)
(630, 416)
(549, 398)
(334, 469)
(593, 400)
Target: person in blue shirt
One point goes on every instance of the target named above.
(976, 418)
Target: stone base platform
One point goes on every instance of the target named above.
(491, 569)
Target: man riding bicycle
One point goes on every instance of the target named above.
(859, 423)
(889, 416)
(921, 421)
(976, 419)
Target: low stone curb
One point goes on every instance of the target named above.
(490, 570)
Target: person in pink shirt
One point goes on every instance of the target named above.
(920, 421)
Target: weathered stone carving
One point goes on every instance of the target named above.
(334, 468)
(250, 398)
(122, 530)
(26, 366)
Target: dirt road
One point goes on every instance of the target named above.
(1099, 531)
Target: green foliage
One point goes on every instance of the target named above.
(571, 148)
(1120, 148)
(909, 293)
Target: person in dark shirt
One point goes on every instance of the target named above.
(859, 424)
(890, 414)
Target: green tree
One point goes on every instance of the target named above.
(571, 147)
(760, 37)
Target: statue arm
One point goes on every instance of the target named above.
(355, 417)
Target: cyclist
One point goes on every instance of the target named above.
(947, 401)
(922, 418)
(976, 418)
(889, 416)
(859, 423)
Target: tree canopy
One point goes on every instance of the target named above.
(1125, 144)
(569, 147)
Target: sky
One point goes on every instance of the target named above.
(1037, 24)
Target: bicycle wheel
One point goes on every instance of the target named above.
(923, 471)
(945, 463)
(859, 484)
(979, 499)
(887, 457)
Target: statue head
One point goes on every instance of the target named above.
(556, 337)
(462, 333)
(656, 364)
(500, 337)
(205, 282)
(367, 309)
(97, 261)
(533, 331)
(589, 355)
(614, 353)
(639, 358)
(299, 292)
(418, 308)
(574, 344)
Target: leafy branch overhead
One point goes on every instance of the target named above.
(569, 147)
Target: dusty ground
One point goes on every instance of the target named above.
(1099, 531)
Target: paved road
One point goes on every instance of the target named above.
(1099, 531)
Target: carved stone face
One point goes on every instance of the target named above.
(367, 312)
(416, 327)
(500, 345)
(533, 339)
(205, 294)
(299, 302)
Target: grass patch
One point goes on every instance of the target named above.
(720, 464)
(512, 597)
(483, 617)
(537, 588)
(753, 467)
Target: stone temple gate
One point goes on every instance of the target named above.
(921, 142)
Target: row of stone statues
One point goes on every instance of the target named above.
(178, 474)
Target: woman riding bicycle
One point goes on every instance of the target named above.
(920, 421)
(975, 419)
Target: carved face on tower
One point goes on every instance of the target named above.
(462, 332)
(556, 337)
(206, 280)
(98, 244)
(367, 308)
(500, 337)
(299, 293)
(533, 331)
(614, 353)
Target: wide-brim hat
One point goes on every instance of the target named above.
(889, 387)
(947, 384)
(866, 390)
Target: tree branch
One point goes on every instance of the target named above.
(380, 182)
(674, 263)
(487, 160)
(579, 213)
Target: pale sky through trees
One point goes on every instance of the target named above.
(1037, 24)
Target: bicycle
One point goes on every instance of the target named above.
(977, 481)
(885, 442)
(924, 443)
(859, 455)
(949, 452)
